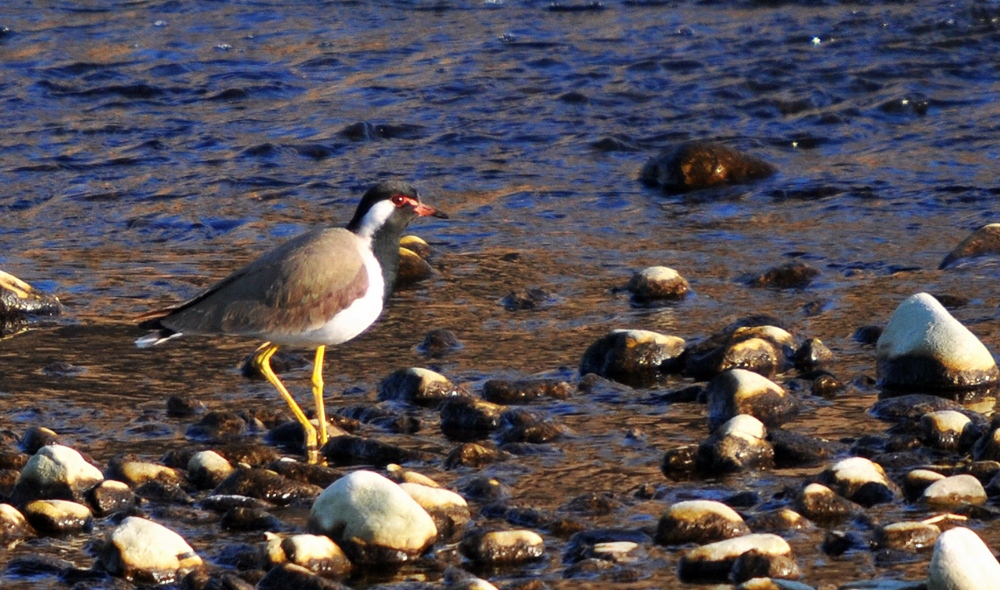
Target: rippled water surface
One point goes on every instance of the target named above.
(149, 148)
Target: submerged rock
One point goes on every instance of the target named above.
(741, 443)
(58, 517)
(317, 553)
(745, 344)
(713, 562)
(657, 283)
(820, 503)
(954, 491)
(699, 165)
(13, 526)
(923, 347)
(634, 357)
(699, 521)
(418, 386)
(961, 561)
(983, 242)
(794, 275)
(738, 391)
(522, 391)
(906, 536)
(373, 519)
(55, 472)
(495, 548)
(949, 430)
(860, 480)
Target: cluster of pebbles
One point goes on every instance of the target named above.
(369, 517)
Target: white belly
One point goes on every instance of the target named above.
(350, 322)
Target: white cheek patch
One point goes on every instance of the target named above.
(375, 218)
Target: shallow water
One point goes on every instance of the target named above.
(151, 147)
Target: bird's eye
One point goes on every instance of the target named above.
(399, 200)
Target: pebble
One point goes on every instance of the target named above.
(738, 444)
(820, 503)
(373, 519)
(523, 391)
(135, 472)
(633, 357)
(317, 553)
(763, 349)
(469, 419)
(923, 346)
(207, 469)
(267, 485)
(439, 342)
(961, 561)
(699, 521)
(793, 275)
(245, 518)
(738, 391)
(860, 480)
(699, 165)
(457, 579)
(657, 283)
(714, 562)
(917, 480)
(418, 386)
(949, 430)
(288, 575)
(348, 449)
(13, 526)
(473, 455)
(143, 551)
(448, 509)
(906, 536)
(111, 497)
(55, 471)
(954, 491)
(494, 548)
(412, 268)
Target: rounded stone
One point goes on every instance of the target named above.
(146, 552)
(55, 471)
(698, 165)
(448, 509)
(812, 355)
(738, 391)
(373, 519)
(657, 283)
(417, 385)
(948, 430)
(207, 469)
(522, 391)
(469, 419)
(502, 547)
(267, 485)
(985, 241)
(761, 348)
(906, 536)
(713, 562)
(412, 268)
(741, 443)
(820, 503)
(860, 480)
(317, 553)
(13, 526)
(954, 491)
(135, 472)
(699, 521)
(110, 497)
(962, 561)
(634, 357)
(917, 480)
(923, 346)
(288, 575)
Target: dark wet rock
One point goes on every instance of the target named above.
(987, 448)
(217, 426)
(812, 355)
(954, 491)
(608, 544)
(522, 426)
(698, 165)
(412, 268)
(522, 391)
(55, 472)
(207, 469)
(111, 497)
(962, 561)
(58, 517)
(714, 562)
(205, 579)
(223, 503)
(20, 302)
(594, 503)
(758, 565)
(737, 445)
(837, 543)
(439, 342)
(738, 391)
(62, 369)
(763, 349)
(184, 406)
(859, 480)
(483, 489)
(289, 435)
(265, 485)
(37, 437)
(317, 553)
(657, 283)
(469, 419)
(13, 459)
(242, 518)
(603, 390)
(135, 472)
(527, 299)
(924, 347)
(249, 452)
(793, 449)
(949, 430)
(911, 407)
(373, 519)
(448, 509)
(906, 536)
(780, 520)
(164, 492)
(700, 522)
(418, 386)
(820, 503)
(29, 566)
(355, 450)
(289, 575)
(826, 386)
(473, 455)
(793, 275)
(383, 417)
(868, 334)
(13, 526)
(495, 548)
(679, 462)
(8, 479)
(918, 480)
(981, 243)
(634, 357)
(317, 475)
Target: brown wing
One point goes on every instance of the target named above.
(294, 288)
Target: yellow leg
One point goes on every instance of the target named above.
(262, 360)
(317, 383)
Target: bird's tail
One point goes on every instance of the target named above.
(156, 337)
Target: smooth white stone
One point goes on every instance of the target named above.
(961, 561)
